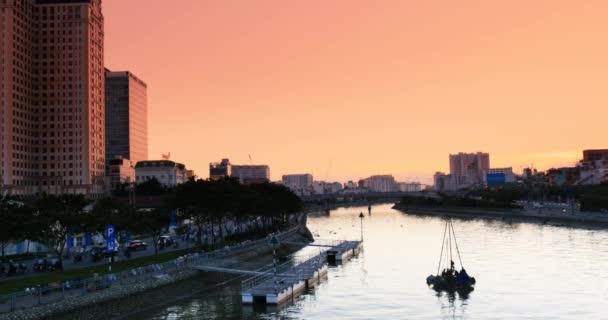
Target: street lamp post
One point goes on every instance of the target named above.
(361, 216)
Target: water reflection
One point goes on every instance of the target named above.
(523, 270)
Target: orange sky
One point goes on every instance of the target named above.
(345, 89)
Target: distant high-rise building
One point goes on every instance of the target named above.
(126, 116)
(52, 94)
(469, 167)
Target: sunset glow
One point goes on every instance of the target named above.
(346, 89)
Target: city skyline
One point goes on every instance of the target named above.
(303, 86)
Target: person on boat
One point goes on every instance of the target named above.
(463, 278)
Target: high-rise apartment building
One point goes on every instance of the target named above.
(126, 116)
(52, 96)
(469, 167)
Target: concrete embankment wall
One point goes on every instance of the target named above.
(117, 301)
(589, 219)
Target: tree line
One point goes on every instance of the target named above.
(51, 219)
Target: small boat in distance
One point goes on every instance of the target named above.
(449, 279)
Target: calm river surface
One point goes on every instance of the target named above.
(523, 271)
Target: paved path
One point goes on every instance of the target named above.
(69, 264)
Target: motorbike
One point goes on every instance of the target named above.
(40, 265)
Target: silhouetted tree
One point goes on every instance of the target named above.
(153, 222)
(58, 216)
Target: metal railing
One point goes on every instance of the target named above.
(50, 293)
(288, 273)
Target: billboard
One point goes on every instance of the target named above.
(494, 179)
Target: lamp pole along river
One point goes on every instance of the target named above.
(361, 216)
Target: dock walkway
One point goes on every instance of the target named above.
(292, 278)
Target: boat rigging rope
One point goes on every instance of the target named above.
(442, 245)
(449, 262)
(456, 243)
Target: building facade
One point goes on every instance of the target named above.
(448, 182)
(245, 173)
(322, 187)
(251, 173)
(167, 172)
(467, 168)
(120, 171)
(126, 116)
(591, 156)
(498, 176)
(410, 186)
(300, 184)
(220, 170)
(52, 129)
(379, 183)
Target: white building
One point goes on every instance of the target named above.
(167, 172)
(593, 173)
(448, 182)
(251, 173)
(350, 185)
(410, 186)
(300, 184)
(322, 187)
(379, 183)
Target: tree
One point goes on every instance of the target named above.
(189, 198)
(275, 202)
(58, 216)
(221, 201)
(13, 221)
(150, 187)
(153, 223)
(105, 212)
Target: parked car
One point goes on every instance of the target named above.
(135, 245)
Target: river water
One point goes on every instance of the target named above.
(523, 271)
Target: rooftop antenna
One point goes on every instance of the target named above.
(250, 160)
(166, 156)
